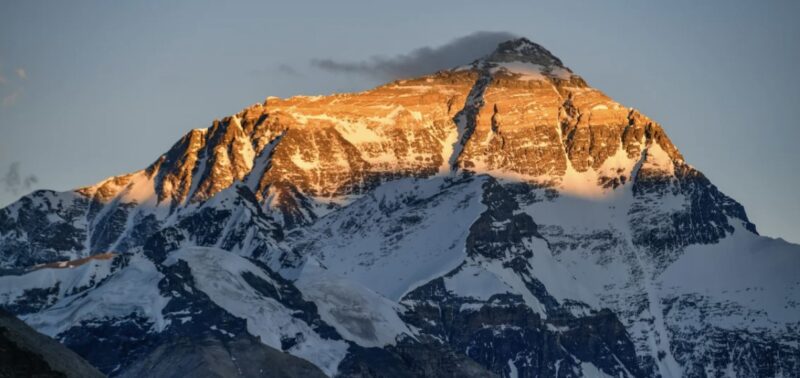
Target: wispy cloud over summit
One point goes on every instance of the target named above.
(422, 60)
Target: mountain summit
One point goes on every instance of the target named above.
(523, 50)
(502, 218)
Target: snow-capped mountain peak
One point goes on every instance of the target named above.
(523, 50)
(501, 218)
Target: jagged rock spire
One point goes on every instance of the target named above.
(523, 50)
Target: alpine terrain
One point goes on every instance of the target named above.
(498, 219)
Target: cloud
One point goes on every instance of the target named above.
(280, 69)
(288, 70)
(14, 182)
(10, 93)
(422, 60)
(10, 99)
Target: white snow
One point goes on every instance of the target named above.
(559, 281)
(585, 184)
(301, 162)
(67, 279)
(261, 162)
(531, 71)
(476, 282)
(218, 273)
(357, 313)
(590, 370)
(657, 159)
(516, 282)
(244, 145)
(133, 289)
(513, 373)
(756, 272)
(392, 252)
(448, 144)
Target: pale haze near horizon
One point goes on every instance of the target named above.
(94, 89)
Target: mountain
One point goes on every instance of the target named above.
(25, 352)
(502, 218)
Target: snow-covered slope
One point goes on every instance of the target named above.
(500, 218)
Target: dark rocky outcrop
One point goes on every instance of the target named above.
(27, 353)
(214, 356)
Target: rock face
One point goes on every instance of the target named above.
(215, 357)
(25, 352)
(502, 218)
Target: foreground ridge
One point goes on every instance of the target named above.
(501, 218)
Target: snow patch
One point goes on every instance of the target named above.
(473, 281)
(531, 71)
(357, 313)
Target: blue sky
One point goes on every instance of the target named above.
(90, 89)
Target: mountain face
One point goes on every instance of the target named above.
(499, 219)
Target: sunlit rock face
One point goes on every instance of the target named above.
(501, 218)
(518, 112)
(325, 146)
